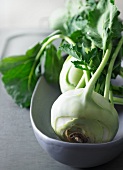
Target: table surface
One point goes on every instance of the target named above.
(19, 149)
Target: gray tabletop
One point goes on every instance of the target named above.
(19, 149)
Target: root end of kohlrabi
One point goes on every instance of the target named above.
(75, 135)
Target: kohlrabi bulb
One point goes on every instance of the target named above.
(78, 118)
(69, 76)
(83, 115)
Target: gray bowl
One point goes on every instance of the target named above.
(72, 154)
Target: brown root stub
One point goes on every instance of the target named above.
(75, 135)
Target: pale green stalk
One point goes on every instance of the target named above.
(50, 40)
(110, 68)
(111, 97)
(86, 74)
(81, 82)
(91, 83)
(97, 87)
(118, 100)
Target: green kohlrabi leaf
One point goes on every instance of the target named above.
(91, 60)
(83, 52)
(81, 65)
(103, 23)
(20, 73)
(78, 22)
(73, 6)
(16, 76)
(71, 50)
(117, 90)
(59, 17)
(78, 12)
(52, 65)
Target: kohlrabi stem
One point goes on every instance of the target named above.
(84, 79)
(87, 77)
(111, 97)
(50, 40)
(118, 100)
(110, 68)
(97, 88)
(81, 83)
(86, 74)
(90, 86)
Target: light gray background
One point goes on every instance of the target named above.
(31, 13)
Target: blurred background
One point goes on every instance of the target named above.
(31, 13)
(27, 13)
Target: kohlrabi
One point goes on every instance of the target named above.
(83, 115)
(69, 76)
(87, 115)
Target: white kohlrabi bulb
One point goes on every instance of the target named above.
(69, 76)
(76, 118)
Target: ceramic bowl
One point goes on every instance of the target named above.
(72, 154)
